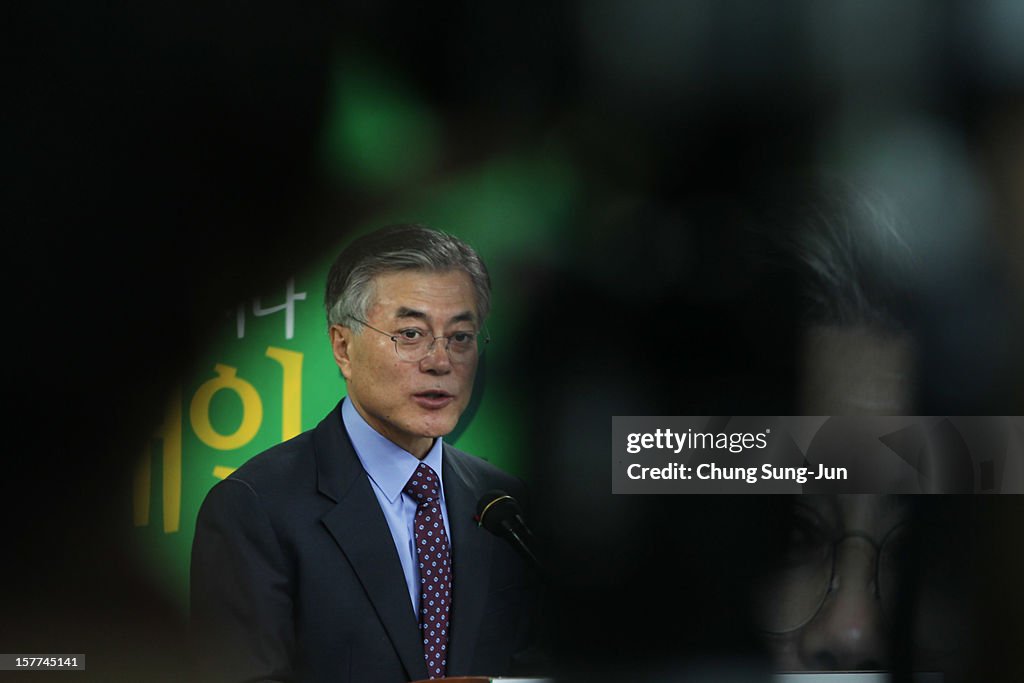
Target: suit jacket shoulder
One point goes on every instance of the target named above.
(481, 475)
(295, 575)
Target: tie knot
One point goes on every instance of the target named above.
(423, 486)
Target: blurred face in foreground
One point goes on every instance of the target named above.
(856, 371)
(857, 572)
(412, 402)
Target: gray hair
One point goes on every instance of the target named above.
(392, 249)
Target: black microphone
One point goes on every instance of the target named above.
(500, 514)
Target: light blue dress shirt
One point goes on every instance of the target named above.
(390, 468)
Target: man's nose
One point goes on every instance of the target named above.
(437, 359)
(847, 633)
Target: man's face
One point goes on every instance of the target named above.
(410, 402)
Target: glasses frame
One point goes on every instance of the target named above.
(483, 338)
(834, 553)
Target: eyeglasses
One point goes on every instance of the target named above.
(794, 592)
(922, 577)
(413, 344)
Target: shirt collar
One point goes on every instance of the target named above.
(389, 466)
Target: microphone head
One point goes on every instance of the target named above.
(500, 514)
(496, 508)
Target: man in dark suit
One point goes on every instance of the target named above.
(350, 553)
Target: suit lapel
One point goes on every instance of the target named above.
(360, 530)
(471, 561)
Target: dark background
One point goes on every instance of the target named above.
(162, 157)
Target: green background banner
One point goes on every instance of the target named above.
(267, 373)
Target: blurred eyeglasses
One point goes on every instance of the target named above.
(794, 591)
(413, 344)
(923, 576)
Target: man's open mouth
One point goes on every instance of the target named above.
(435, 399)
(434, 394)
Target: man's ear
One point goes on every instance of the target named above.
(341, 341)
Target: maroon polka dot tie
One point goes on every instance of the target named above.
(433, 554)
